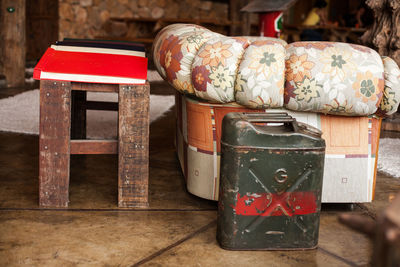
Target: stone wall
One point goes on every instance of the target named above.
(91, 18)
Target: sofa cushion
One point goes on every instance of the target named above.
(162, 42)
(325, 77)
(391, 93)
(333, 78)
(260, 78)
(215, 66)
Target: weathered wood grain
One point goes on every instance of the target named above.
(13, 39)
(95, 87)
(94, 147)
(345, 135)
(133, 158)
(54, 145)
(41, 27)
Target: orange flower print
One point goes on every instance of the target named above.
(297, 67)
(167, 61)
(213, 54)
(170, 57)
(368, 87)
(164, 48)
(183, 86)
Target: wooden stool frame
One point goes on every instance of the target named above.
(58, 116)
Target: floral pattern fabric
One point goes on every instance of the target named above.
(261, 74)
(333, 78)
(265, 38)
(215, 66)
(161, 42)
(175, 51)
(391, 94)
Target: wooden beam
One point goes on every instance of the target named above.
(95, 87)
(94, 146)
(13, 41)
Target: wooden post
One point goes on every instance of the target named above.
(133, 154)
(54, 143)
(13, 39)
(385, 32)
(240, 20)
(246, 24)
(234, 17)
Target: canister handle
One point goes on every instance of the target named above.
(281, 117)
(266, 117)
(271, 117)
(264, 114)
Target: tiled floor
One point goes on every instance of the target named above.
(178, 229)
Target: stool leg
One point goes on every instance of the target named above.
(54, 143)
(133, 154)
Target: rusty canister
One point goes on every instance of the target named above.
(271, 182)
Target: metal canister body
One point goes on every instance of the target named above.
(271, 182)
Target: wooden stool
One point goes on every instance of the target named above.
(56, 146)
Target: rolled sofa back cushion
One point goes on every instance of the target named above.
(215, 68)
(261, 75)
(174, 50)
(391, 94)
(263, 72)
(197, 61)
(333, 78)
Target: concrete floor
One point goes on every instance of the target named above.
(178, 229)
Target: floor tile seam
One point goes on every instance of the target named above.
(367, 211)
(337, 212)
(333, 255)
(108, 210)
(177, 243)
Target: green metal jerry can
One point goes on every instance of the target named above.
(270, 182)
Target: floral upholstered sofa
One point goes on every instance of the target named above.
(342, 89)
